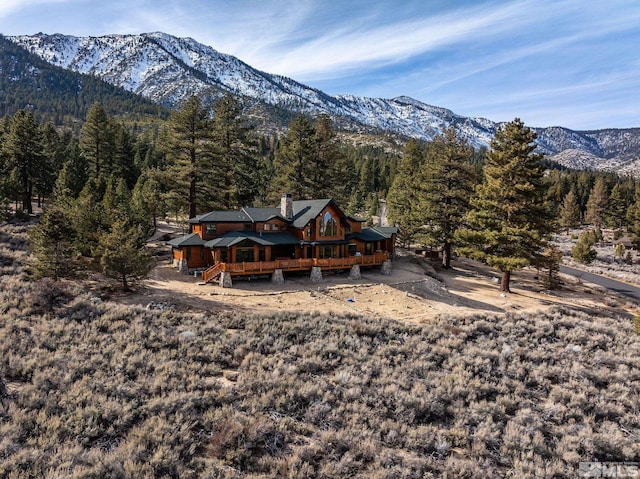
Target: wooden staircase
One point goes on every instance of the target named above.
(211, 274)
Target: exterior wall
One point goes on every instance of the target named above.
(195, 256)
(221, 228)
(281, 225)
(356, 226)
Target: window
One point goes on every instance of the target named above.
(188, 253)
(248, 227)
(328, 251)
(244, 255)
(210, 229)
(328, 225)
(274, 227)
(267, 227)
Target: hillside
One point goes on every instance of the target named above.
(168, 69)
(59, 95)
(97, 389)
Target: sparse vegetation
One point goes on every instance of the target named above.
(98, 389)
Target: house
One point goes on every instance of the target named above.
(298, 236)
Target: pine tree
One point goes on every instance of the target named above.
(569, 212)
(617, 206)
(294, 159)
(122, 254)
(96, 140)
(583, 251)
(509, 222)
(189, 148)
(402, 199)
(23, 151)
(235, 155)
(550, 264)
(52, 243)
(73, 175)
(597, 203)
(123, 158)
(445, 182)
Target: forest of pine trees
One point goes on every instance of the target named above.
(111, 178)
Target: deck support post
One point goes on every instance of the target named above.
(225, 280)
(277, 277)
(355, 272)
(316, 274)
(386, 268)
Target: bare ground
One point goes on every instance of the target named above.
(414, 293)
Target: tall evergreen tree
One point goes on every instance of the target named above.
(23, 152)
(122, 254)
(294, 159)
(617, 206)
(73, 175)
(96, 140)
(509, 222)
(402, 199)
(190, 151)
(597, 203)
(445, 182)
(235, 155)
(569, 214)
(52, 243)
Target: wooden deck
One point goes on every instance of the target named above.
(268, 267)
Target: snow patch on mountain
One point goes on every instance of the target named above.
(168, 70)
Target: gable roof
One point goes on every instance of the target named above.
(192, 239)
(375, 233)
(267, 239)
(222, 217)
(303, 212)
(386, 230)
(262, 214)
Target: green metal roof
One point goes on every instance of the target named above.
(192, 239)
(222, 217)
(376, 233)
(262, 214)
(386, 230)
(303, 212)
(306, 210)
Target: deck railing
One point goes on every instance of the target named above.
(264, 267)
(211, 273)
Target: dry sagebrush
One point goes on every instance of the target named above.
(102, 390)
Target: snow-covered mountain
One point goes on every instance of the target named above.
(168, 69)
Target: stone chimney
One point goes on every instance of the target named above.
(286, 206)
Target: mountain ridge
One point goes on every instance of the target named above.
(168, 69)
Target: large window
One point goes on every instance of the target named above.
(244, 255)
(328, 251)
(328, 225)
(210, 229)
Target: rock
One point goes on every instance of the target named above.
(277, 277)
(355, 272)
(386, 268)
(225, 280)
(316, 274)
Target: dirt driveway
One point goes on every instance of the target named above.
(415, 292)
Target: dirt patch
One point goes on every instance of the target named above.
(416, 292)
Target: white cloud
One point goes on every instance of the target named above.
(8, 7)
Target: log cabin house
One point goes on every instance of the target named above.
(298, 236)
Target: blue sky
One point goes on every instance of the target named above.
(572, 63)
